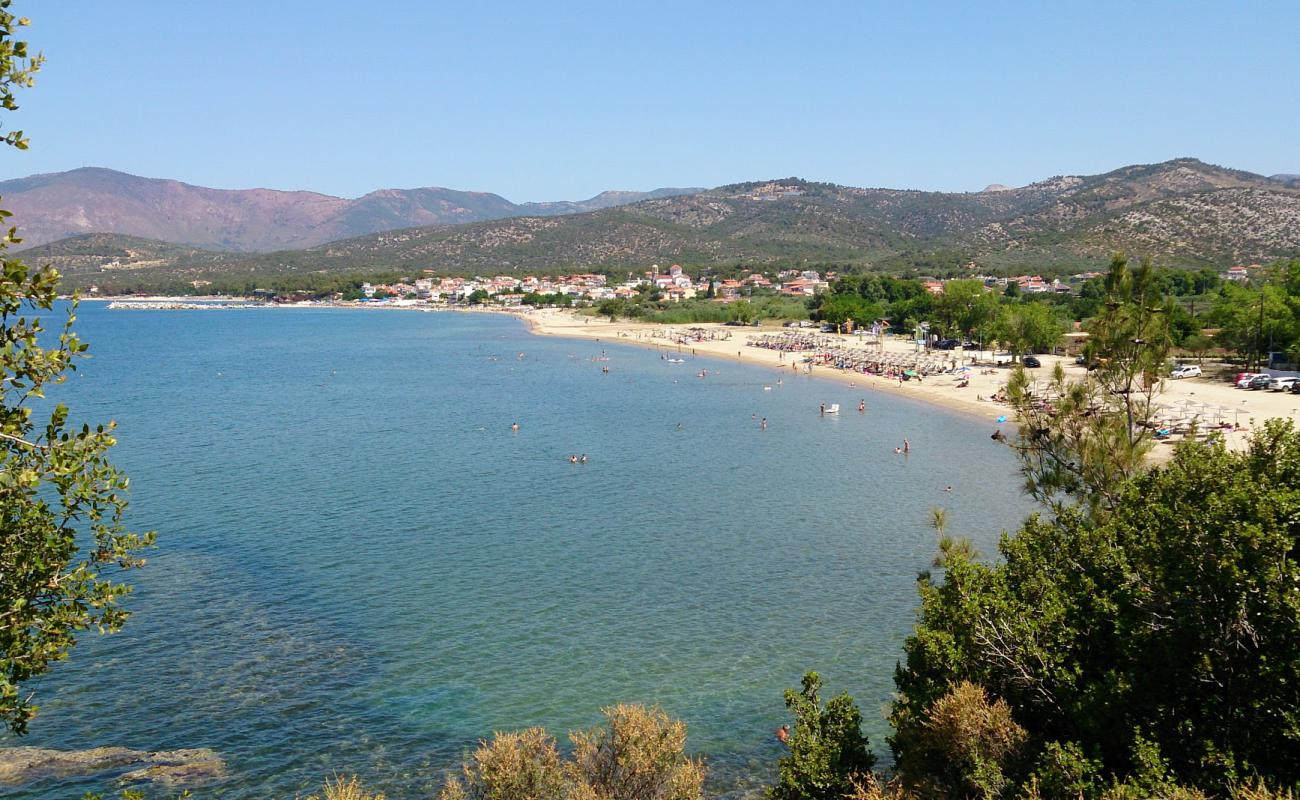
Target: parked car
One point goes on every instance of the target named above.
(1295, 388)
(1244, 379)
(1259, 382)
(1186, 371)
(1281, 383)
(947, 344)
(1031, 362)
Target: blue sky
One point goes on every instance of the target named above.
(546, 101)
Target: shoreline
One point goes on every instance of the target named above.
(1205, 399)
(934, 391)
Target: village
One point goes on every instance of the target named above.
(674, 284)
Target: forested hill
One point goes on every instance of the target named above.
(1182, 213)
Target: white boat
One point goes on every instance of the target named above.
(833, 408)
(676, 361)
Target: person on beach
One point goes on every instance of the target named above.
(783, 734)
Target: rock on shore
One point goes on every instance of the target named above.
(165, 767)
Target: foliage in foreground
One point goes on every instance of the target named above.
(827, 749)
(1155, 645)
(639, 754)
(345, 788)
(58, 491)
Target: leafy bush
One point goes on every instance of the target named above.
(1165, 632)
(828, 752)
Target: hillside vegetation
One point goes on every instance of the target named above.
(1182, 213)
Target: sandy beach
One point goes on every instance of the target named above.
(1206, 399)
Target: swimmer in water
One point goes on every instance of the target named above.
(573, 458)
(898, 450)
(583, 459)
(762, 426)
(907, 446)
(862, 405)
(783, 734)
(515, 427)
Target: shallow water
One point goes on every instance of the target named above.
(361, 569)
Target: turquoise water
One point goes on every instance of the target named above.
(362, 569)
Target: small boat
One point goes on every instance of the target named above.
(833, 408)
(767, 388)
(676, 361)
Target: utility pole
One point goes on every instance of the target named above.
(1259, 334)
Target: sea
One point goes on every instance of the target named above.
(361, 568)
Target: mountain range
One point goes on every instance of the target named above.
(57, 205)
(1182, 213)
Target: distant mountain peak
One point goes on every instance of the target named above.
(53, 206)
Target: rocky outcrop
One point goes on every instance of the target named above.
(188, 767)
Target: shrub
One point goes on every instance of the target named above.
(524, 765)
(828, 752)
(962, 745)
(345, 788)
(638, 755)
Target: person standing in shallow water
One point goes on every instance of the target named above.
(783, 734)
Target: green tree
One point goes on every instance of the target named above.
(612, 308)
(1198, 345)
(1253, 320)
(964, 306)
(1093, 434)
(1155, 643)
(828, 751)
(742, 311)
(58, 491)
(1026, 327)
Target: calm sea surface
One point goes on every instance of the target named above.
(361, 569)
